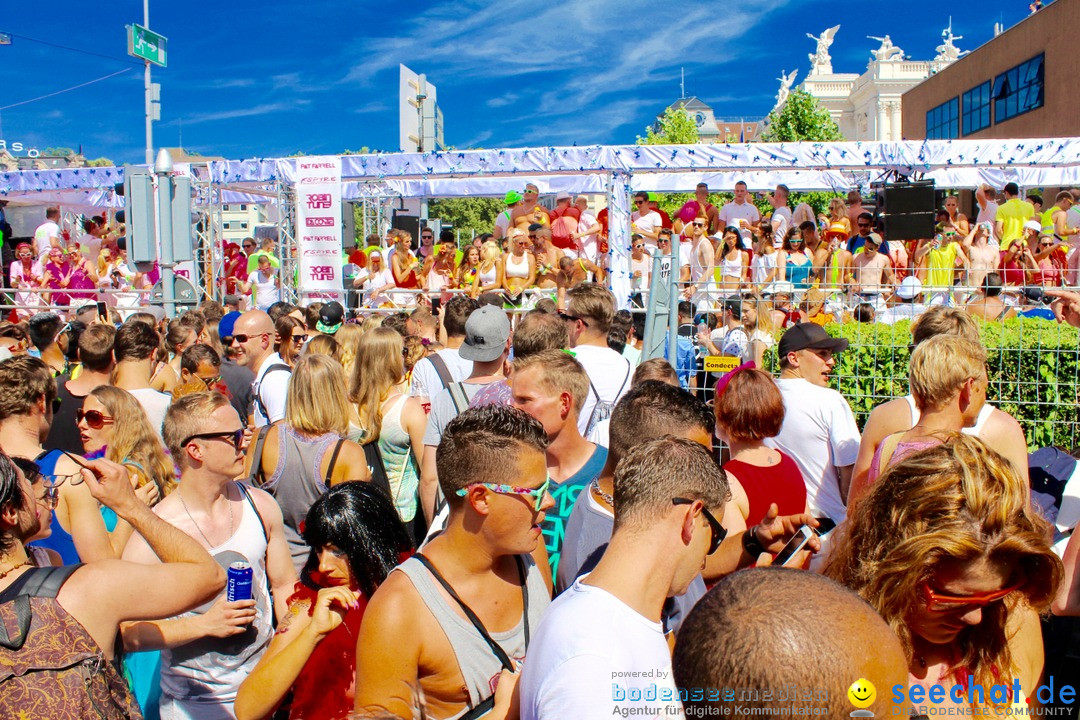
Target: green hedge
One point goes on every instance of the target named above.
(1033, 365)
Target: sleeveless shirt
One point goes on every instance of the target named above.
(973, 431)
(479, 667)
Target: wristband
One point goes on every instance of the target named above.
(750, 542)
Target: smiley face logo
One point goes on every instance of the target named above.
(862, 693)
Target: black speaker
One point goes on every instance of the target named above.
(909, 210)
(408, 223)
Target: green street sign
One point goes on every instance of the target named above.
(146, 45)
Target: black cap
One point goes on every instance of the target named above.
(809, 336)
(331, 316)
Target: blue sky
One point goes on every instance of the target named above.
(272, 78)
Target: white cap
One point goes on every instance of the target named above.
(909, 288)
(1033, 225)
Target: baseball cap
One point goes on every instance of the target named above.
(874, 238)
(1033, 225)
(331, 315)
(563, 195)
(486, 333)
(512, 197)
(227, 324)
(809, 336)
(909, 288)
(779, 288)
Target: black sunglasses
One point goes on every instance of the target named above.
(234, 436)
(718, 530)
(244, 338)
(573, 318)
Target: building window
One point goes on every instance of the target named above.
(1018, 90)
(224, 208)
(243, 226)
(243, 208)
(976, 108)
(224, 226)
(942, 122)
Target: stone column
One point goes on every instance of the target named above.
(882, 121)
(897, 122)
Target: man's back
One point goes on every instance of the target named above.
(820, 434)
(426, 380)
(609, 377)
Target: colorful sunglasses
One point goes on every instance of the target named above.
(536, 493)
(940, 602)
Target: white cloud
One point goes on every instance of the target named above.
(264, 109)
(373, 107)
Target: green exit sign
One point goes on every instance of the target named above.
(146, 45)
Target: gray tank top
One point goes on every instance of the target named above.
(297, 483)
(479, 666)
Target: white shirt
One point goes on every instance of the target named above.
(266, 289)
(609, 375)
(502, 221)
(155, 403)
(588, 242)
(819, 433)
(684, 261)
(732, 212)
(46, 230)
(900, 311)
(425, 378)
(583, 655)
(650, 222)
(783, 214)
(272, 391)
(761, 266)
(644, 266)
(987, 213)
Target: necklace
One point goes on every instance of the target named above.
(606, 498)
(188, 512)
(13, 568)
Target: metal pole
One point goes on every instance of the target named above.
(673, 303)
(166, 190)
(146, 88)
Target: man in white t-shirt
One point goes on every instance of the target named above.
(435, 372)
(266, 283)
(781, 216)
(590, 309)
(588, 232)
(47, 235)
(986, 196)
(740, 213)
(663, 247)
(134, 348)
(645, 221)
(819, 431)
(253, 342)
(600, 649)
(502, 220)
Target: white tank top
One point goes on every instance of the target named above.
(974, 431)
(731, 268)
(488, 277)
(517, 269)
(201, 676)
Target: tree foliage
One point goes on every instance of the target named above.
(674, 127)
(467, 214)
(100, 162)
(801, 118)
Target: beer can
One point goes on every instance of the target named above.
(238, 584)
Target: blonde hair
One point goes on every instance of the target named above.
(940, 366)
(956, 502)
(490, 252)
(186, 417)
(134, 441)
(324, 345)
(379, 367)
(413, 351)
(941, 320)
(559, 373)
(316, 402)
(348, 339)
(838, 207)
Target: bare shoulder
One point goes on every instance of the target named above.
(1001, 425)
(265, 503)
(889, 417)
(395, 600)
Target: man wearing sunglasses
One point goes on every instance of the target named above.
(70, 633)
(702, 259)
(607, 625)
(200, 370)
(644, 220)
(253, 342)
(490, 560)
(208, 653)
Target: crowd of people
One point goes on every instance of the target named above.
(494, 506)
(446, 515)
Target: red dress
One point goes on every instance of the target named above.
(326, 686)
(781, 484)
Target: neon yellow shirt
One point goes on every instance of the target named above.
(940, 267)
(1012, 215)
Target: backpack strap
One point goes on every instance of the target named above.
(458, 395)
(440, 367)
(36, 582)
(255, 477)
(333, 461)
(276, 367)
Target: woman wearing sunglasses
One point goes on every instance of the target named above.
(948, 550)
(291, 334)
(131, 442)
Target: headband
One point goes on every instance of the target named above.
(722, 383)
